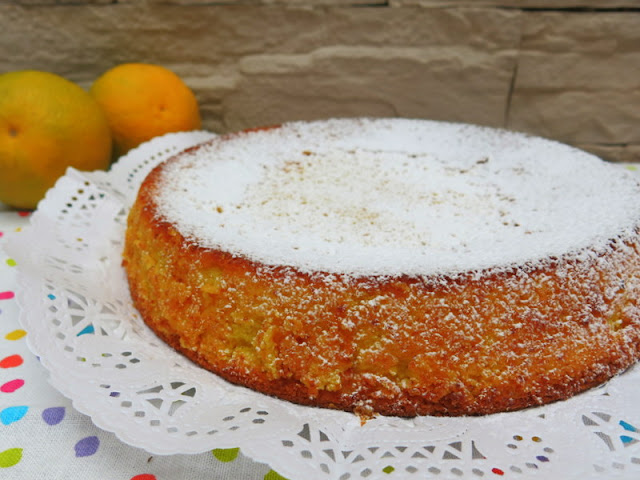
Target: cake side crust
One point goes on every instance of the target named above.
(470, 344)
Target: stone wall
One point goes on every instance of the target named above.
(563, 69)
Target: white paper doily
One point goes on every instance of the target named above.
(76, 307)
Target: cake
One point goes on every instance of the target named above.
(392, 266)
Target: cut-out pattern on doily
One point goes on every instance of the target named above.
(459, 458)
(621, 439)
(81, 322)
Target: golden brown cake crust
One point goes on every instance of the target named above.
(467, 344)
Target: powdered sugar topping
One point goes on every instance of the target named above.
(394, 196)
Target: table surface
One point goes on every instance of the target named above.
(42, 436)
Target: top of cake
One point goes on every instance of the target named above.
(395, 196)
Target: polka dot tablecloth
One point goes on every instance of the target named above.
(43, 437)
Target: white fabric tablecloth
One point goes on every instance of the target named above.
(43, 437)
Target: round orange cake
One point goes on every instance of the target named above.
(399, 267)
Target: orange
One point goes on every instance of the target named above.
(142, 101)
(47, 124)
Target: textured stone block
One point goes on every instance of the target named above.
(581, 32)
(616, 153)
(59, 2)
(608, 117)
(572, 74)
(578, 77)
(529, 4)
(80, 39)
(571, 70)
(456, 83)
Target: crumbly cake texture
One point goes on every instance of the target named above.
(400, 267)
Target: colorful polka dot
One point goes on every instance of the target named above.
(11, 361)
(388, 469)
(11, 262)
(497, 471)
(1, 234)
(10, 457)
(628, 426)
(89, 329)
(24, 214)
(12, 385)
(273, 475)
(87, 446)
(226, 454)
(13, 414)
(15, 335)
(7, 295)
(51, 296)
(53, 415)
(144, 476)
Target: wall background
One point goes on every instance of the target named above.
(563, 69)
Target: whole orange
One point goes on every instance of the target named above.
(142, 101)
(47, 124)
